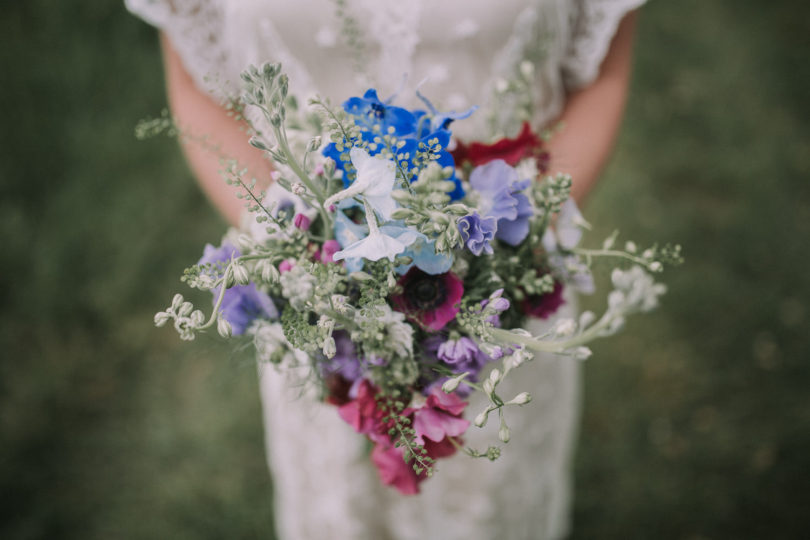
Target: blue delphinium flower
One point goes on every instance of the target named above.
(423, 253)
(414, 128)
(477, 233)
(370, 112)
(241, 304)
(500, 187)
(439, 120)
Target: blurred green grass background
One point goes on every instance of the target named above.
(696, 421)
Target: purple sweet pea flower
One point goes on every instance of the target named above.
(241, 304)
(460, 355)
(500, 187)
(345, 362)
(477, 233)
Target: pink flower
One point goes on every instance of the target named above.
(440, 417)
(394, 471)
(363, 414)
(434, 422)
(330, 247)
(302, 222)
(430, 300)
(285, 266)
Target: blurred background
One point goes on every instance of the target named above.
(696, 420)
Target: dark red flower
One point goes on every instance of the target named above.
(512, 151)
(430, 300)
(543, 305)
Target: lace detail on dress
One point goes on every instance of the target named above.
(394, 29)
(195, 28)
(593, 24)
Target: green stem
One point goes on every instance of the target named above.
(610, 253)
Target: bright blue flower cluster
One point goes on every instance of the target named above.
(375, 117)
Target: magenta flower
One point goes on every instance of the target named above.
(393, 469)
(329, 248)
(302, 222)
(430, 300)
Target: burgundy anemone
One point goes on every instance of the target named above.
(543, 306)
(430, 300)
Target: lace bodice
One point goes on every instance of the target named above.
(463, 53)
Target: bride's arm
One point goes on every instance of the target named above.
(200, 115)
(592, 116)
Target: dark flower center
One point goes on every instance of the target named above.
(426, 292)
(377, 110)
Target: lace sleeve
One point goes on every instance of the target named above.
(195, 29)
(593, 24)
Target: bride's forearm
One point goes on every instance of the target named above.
(592, 116)
(200, 116)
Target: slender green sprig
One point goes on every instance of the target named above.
(267, 88)
(426, 207)
(404, 436)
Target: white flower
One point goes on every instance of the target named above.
(297, 285)
(398, 335)
(569, 225)
(273, 347)
(373, 247)
(635, 290)
(374, 183)
(387, 241)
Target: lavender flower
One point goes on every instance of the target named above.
(462, 355)
(500, 187)
(477, 233)
(345, 362)
(241, 304)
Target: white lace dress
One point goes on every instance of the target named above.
(461, 51)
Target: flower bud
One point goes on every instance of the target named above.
(255, 142)
(270, 273)
(495, 376)
(582, 353)
(521, 399)
(224, 328)
(565, 328)
(185, 309)
(450, 385)
(197, 318)
(240, 274)
(503, 433)
(500, 304)
(302, 222)
(161, 318)
(314, 144)
(481, 419)
(329, 347)
(176, 301)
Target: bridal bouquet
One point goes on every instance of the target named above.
(396, 273)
